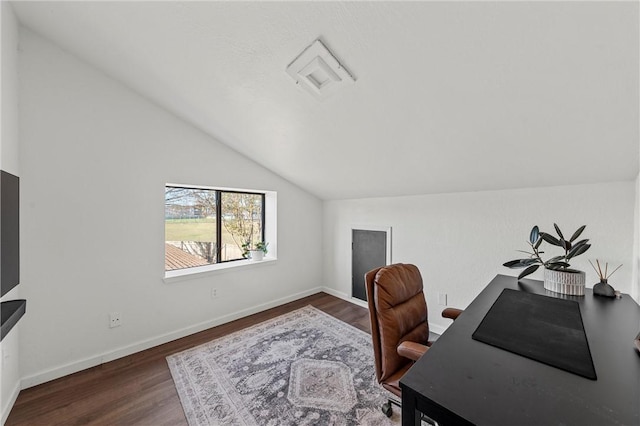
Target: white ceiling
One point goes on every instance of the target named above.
(449, 96)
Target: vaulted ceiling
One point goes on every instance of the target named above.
(449, 96)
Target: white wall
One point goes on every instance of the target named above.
(94, 159)
(459, 241)
(9, 347)
(9, 130)
(635, 281)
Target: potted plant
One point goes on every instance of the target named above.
(256, 252)
(558, 276)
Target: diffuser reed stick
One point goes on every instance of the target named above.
(603, 276)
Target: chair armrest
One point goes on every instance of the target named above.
(451, 313)
(411, 350)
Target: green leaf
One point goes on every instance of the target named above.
(577, 233)
(540, 240)
(513, 263)
(565, 244)
(578, 250)
(533, 236)
(556, 265)
(530, 270)
(558, 231)
(519, 263)
(550, 239)
(581, 242)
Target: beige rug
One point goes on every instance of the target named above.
(302, 368)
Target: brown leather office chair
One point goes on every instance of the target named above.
(399, 327)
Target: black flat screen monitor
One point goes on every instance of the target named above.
(9, 231)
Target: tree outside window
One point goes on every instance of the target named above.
(207, 226)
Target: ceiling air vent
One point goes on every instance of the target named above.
(318, 71)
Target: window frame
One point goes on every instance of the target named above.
(219, 222)
(268, 202)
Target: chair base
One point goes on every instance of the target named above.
(387, 408)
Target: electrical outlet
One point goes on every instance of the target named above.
(115, 320)
(442, 299)
(214, 293)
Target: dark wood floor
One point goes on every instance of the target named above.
(138, 389)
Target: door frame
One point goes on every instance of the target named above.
(358, 227)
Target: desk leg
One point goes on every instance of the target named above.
(409, 417)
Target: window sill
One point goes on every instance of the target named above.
(202, 271)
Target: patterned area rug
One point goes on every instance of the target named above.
(302, 368)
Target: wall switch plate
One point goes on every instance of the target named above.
(214, 293)
(442, 299)
(114, 320)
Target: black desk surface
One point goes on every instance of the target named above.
(462, 379)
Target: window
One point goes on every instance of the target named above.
(205, 226)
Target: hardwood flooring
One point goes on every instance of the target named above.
(138, 389)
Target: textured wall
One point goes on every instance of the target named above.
(9, 348)
(459, 241)
(95, 157)
(446, 82)
(635, 284)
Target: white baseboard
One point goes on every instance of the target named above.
(358, 302)
(8, 402)
(433, 327)
(336, 293)
(437, 328)
(345, 296)
(83, 364)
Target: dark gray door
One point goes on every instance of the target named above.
(369, 251)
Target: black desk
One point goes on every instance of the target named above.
(464, 381)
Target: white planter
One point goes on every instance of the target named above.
(256, 254)
(571, 283)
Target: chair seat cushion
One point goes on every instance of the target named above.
(392, 383)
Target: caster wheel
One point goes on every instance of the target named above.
(387, 409)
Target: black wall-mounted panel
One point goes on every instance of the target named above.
(369, 251)
(9, 231)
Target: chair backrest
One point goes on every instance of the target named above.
(398, 312)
